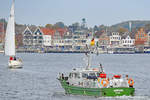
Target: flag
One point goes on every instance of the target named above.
(92, 42)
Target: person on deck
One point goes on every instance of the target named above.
(11, 58)
(14, 58)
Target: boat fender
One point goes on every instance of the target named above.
(98, 80)
(20, 60)
(104, 82)
(131, 82)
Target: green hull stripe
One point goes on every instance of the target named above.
(69, 89)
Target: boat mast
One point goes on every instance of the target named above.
(3, 33)
(89, 59)
(10, 34)
(89, 48)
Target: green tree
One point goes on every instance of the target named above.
(49, 26)
(60, 25)
(122, 30)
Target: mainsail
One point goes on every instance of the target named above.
(10, 34)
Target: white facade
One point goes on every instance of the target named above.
(115, 39)
(47, 40)
(128, 42)
(68, 42)
(58, 42)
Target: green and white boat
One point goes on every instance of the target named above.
(89, 81)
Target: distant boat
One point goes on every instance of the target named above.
(1, 51)
(146, 49)
(9, 50)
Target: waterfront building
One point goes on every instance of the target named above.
(1, 28)
(115, 39)
(68, 43)
(79, 40)
(58, 40)
(140, 40)
(127, 41)
(19, 40)
(147, 43)
(47, 36)
(38, 38)
(104, 41)
(140, 37)
(27, 37)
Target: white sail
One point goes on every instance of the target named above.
(10, 34)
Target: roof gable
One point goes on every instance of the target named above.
(27, 31)
(38, 31)
(128, 37)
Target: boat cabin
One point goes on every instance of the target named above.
(78, 76)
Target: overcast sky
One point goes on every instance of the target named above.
(96, 12)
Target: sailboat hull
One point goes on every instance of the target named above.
(15, 64)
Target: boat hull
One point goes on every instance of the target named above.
(98, 92)
(15, 64)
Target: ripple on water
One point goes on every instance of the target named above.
(37, 80)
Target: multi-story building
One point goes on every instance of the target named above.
(103, 42)
(58, 41)
(79, 40)
(47, 36)
(19, 40)
(147, 43)
(140, 40)
(39, 38)
(140, 37)
(127, 42)
(115, 39)
(27, 37)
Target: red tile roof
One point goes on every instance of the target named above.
(47, 31)
(62, 31)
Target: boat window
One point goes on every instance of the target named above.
(84, 75)
(77, 75)
(70, 75)
(97, 74)
(92, 74)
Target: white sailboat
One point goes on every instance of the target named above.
(10, 41)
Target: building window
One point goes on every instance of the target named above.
(40, 37)
(35, 37)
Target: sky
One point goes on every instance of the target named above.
(96, 12)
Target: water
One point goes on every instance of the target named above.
(37, 80)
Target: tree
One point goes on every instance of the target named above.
(122, 30)
(60, 25)
(96, 28)
(49, 26)
(147, 27)
(76, 26)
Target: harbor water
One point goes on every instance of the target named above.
(37, 79)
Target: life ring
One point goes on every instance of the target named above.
(131, 82)
(106, 82)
